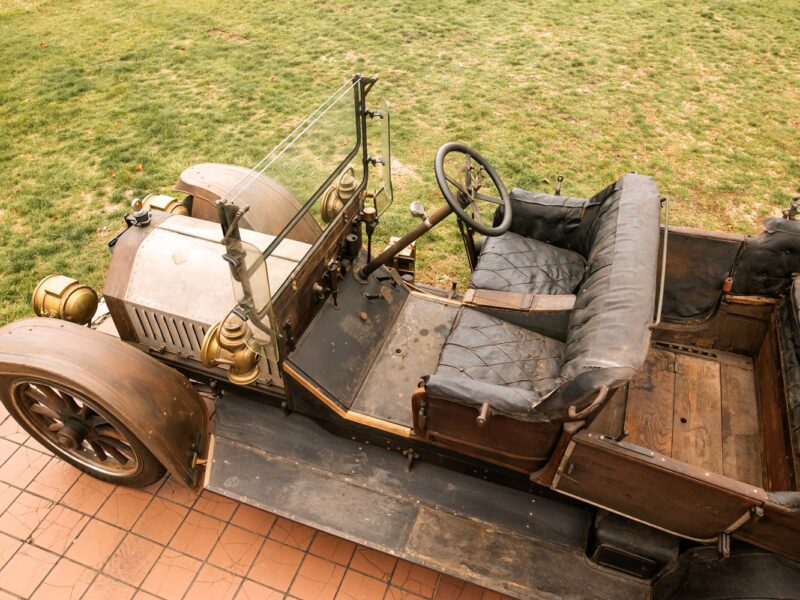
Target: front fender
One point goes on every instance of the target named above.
(156, 403)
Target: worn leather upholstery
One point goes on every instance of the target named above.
(767, 262)
(608, 334)
(484, 349)
(515, 263)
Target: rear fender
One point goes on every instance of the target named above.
(156, 403)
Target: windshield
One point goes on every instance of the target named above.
(285, 190)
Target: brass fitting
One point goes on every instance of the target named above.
(338, 195)
(165, 203)
(64, 298)
(226, 344)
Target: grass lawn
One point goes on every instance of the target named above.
(702, 95)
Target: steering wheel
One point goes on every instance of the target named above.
(468, 188)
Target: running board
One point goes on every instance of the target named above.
(513, 542)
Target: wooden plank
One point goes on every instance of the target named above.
(778, 475)
(742, 454)
(648, 418)
(697, 423)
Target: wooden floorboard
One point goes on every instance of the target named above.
(741, 436)
(650, 403)
(697, 422)
(702, 410)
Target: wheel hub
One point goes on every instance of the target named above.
(71, 436)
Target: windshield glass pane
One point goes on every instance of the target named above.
(298, 167)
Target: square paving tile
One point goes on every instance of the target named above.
(87, 494)
(26, 569)
(253, 519)
(160, 520)
(373, 563)
(8, 494)
(6, 449)
(317, 578)
(123, 507)
(251, 590)
(96, 543)
(197, 535)
(276, 565)
(133, 559)
(13, 432)
(215, 505)
(292, 533)
(415, 579)
(395, 593)
(54, 480)
(23, 516)
(177, 492)
(172, 575)
(59, 529)
(22, 466)
(213, 583)
(8, 546)
(66, 581)
(105, 588)
(236, 550)
(356, 586)
(332, 548)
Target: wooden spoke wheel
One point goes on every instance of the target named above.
(78, 429)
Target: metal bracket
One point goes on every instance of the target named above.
(628, 446)
(724, 545)
(660, 304)
(411, 456)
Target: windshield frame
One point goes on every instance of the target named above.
(360, 88)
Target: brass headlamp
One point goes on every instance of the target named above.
(226, 344)
(64, 298)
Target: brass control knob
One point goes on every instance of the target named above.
(65, 298)
(226, 344)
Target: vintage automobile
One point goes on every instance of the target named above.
(610, 410)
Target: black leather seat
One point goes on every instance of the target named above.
(487, 349)
(527, 376)
(515, 263)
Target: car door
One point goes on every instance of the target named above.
(655, 489)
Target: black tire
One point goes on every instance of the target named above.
(19, 392)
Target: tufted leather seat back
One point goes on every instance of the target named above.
(609, 328)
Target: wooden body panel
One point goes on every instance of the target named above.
(658, 490)
(777, 530)
(519, 445)
(778, 465)
(296, 304)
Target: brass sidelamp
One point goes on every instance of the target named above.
(226, 344)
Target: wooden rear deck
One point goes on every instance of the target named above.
(700, 407)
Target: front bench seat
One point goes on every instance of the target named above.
(528, 377)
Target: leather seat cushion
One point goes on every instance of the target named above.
(490, 350)
(514, 263)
